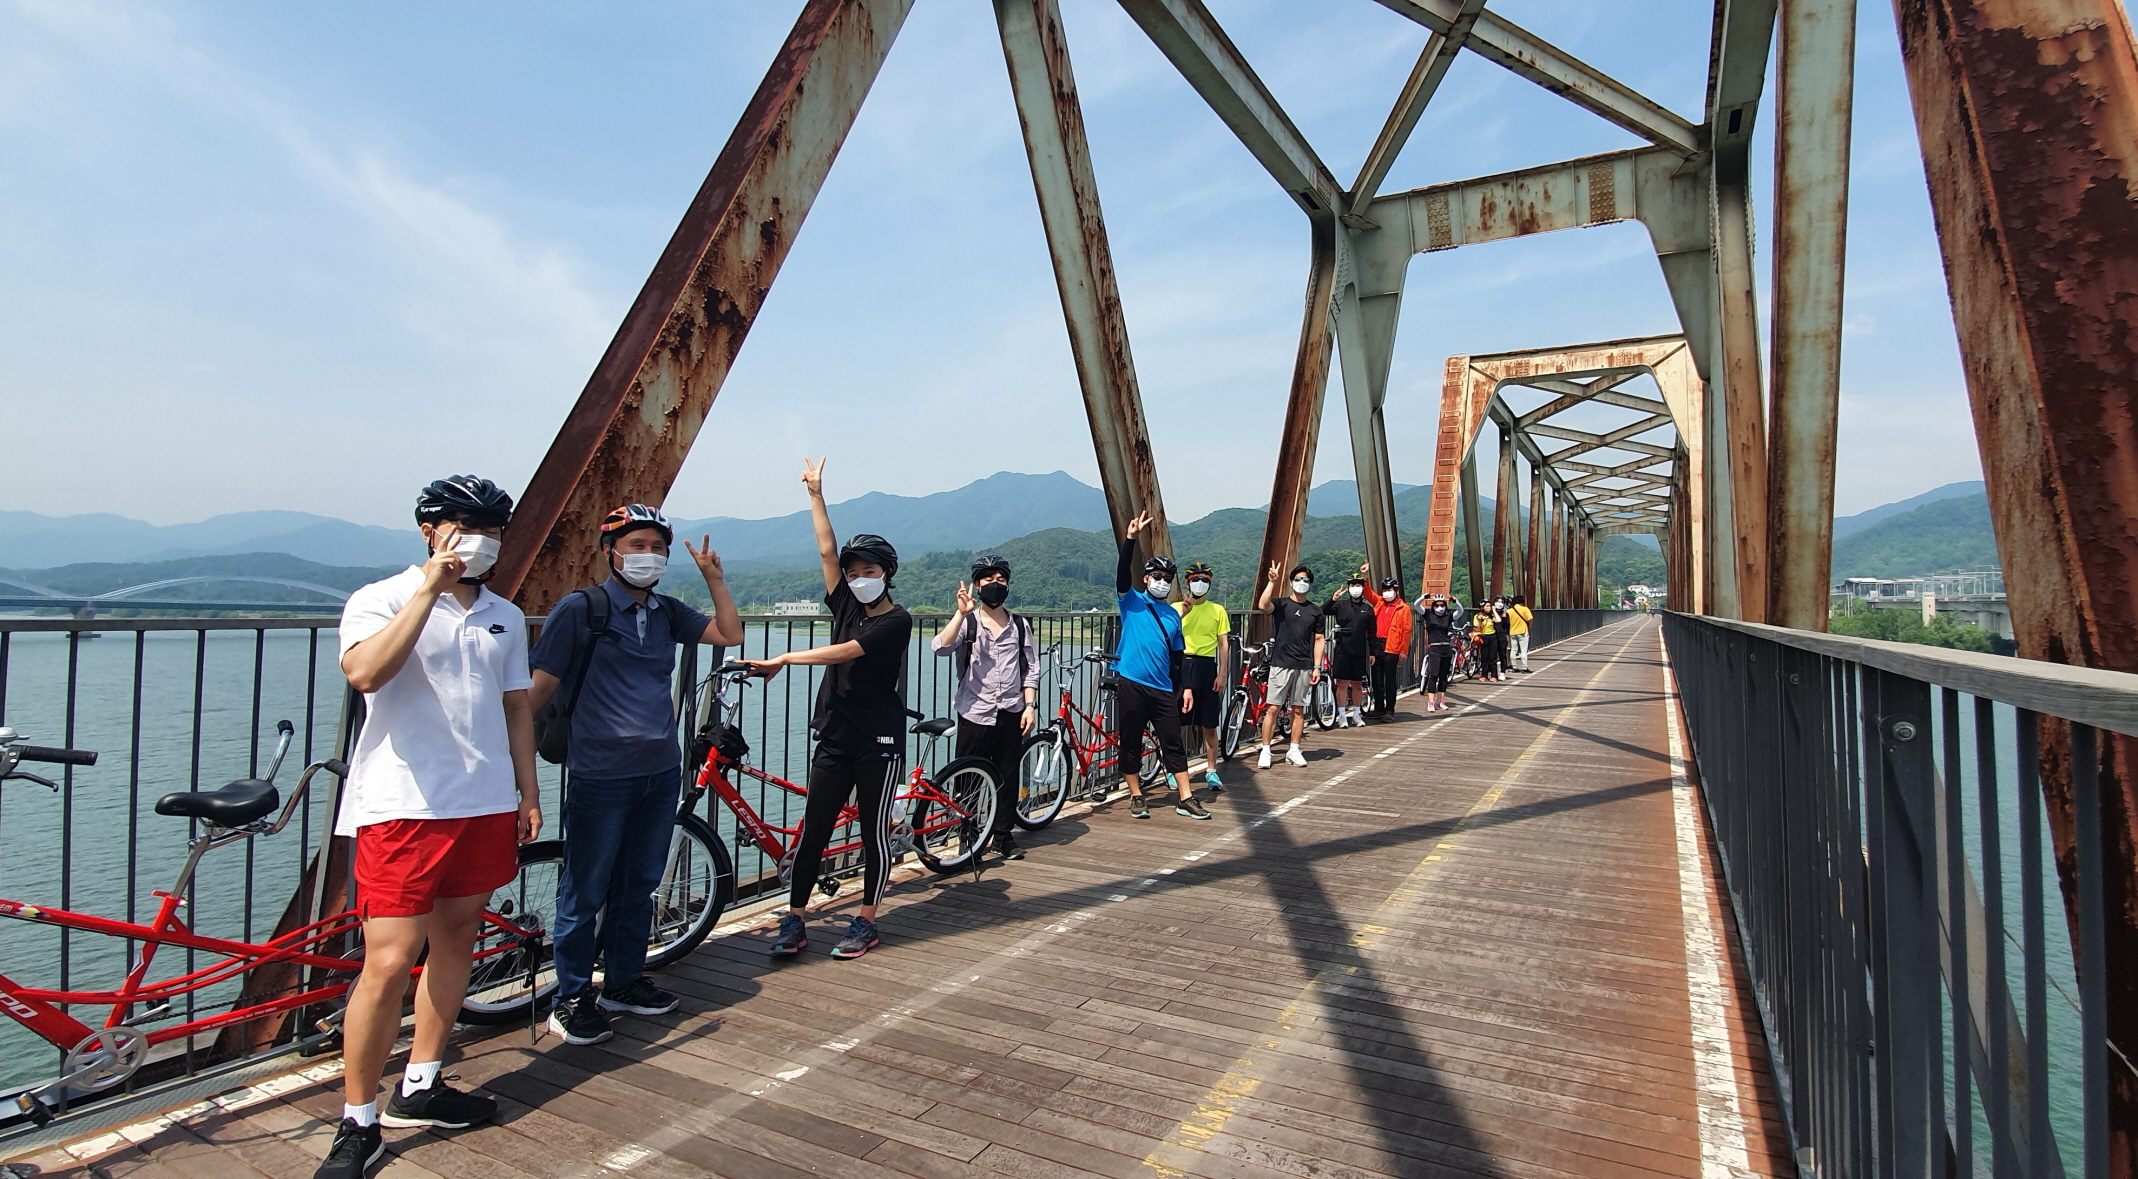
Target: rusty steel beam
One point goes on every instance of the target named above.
(1502, 515)
(1532, 565)
(1472, 526)
(1365, 343)
(1440, 52)
(1294, 476)
(2028, 116)
(1197, 46)
(1742, 469)
(1814, 102)
(1044, 86)
(634, 423)
(1513, 48)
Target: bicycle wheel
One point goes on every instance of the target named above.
(1151, 768)
(696, 888)
(1042, 780)
(1324, 707)
(513, 943)
(1235, 724)
(950, 837)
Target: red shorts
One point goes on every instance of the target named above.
(403, 865)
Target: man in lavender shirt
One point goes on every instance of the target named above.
(998, 684)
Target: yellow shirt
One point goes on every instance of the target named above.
(1481, 623)
(1202, 625)
(1518, 620)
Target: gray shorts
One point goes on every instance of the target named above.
(1289, 687)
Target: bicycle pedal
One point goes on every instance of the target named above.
(34, 1109)
(828, 886)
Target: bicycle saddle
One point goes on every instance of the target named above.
(232, 806)
(936, 727)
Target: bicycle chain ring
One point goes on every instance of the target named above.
(105, 1057)
(786, 864)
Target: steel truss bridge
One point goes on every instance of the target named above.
(1918, 856)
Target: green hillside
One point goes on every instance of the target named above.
(1950, 534)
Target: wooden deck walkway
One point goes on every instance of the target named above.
(1455, 944)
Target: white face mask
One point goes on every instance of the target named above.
(1301, 585)
(1388, 595)
(478, 553)
(1356, 590)
(866, 589)
(641, 569)
(1198, 588)
(1160, 587)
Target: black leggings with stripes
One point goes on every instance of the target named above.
(848, 764)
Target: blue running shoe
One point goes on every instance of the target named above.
(860, 939)
(793, 935)
(1215, 783)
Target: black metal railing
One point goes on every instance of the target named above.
(1879, 812)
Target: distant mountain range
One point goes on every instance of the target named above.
(1052, 527)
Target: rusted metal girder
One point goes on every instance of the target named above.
(1555, 572)
(1738, 508)
(634, 423)
(1197, 46)
(1294, 477)
(1367, 305)
(1507, 45)
(2028, 115)
(1053, 121)
(1532, 565)
(1503, 524)
(1814, 100)
(1441, 49)
(1472, 527)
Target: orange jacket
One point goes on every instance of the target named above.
(1392, 623)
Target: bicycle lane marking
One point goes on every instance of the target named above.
(1224, 1098)
(1723, 1153)
(704, 1120)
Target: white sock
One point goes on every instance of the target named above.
(419, 1077)
(362, 1115)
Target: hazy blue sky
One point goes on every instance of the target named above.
(310, 256)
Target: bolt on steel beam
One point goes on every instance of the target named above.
(634, 423)
(1044, 87)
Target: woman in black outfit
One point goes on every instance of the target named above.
(1350, 648)
(1440, 619)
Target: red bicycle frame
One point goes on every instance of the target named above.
(777, 842)
(1066, 718)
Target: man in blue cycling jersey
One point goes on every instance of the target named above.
(1148, 666)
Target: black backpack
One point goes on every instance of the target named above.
(553, 725)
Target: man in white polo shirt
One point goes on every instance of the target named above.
(441, 792)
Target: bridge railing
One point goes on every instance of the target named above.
(1880, 815)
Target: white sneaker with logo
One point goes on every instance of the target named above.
(1295, 757)
(1262, 762)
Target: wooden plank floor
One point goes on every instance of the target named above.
(1452, 945)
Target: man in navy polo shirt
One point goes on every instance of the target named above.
(626, 767)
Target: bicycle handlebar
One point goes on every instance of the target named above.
(63, 757)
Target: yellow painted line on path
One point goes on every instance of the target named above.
(1247, 1073)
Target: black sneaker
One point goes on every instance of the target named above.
(860, 939)
(1191, 808)
(1006, 847)
(437, 1104)
(793, 935)
(637, 997)
(1137, 808)
(356, 1148)
(579, 1019)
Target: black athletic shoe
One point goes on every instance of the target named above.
(793, 935)
(356, 1149)
(1191, 808)
(1138, 808)
(579, 1019)
(637, 997)
(860, 939)
(438, 1105)
(1006, 846)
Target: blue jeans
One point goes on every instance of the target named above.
(616, 838)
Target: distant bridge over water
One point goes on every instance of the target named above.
(139, 597)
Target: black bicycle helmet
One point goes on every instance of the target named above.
(988, 563)
(868, 546)
(468, 498)
(1201, 569)
(1391, 583)
(1163, 565)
